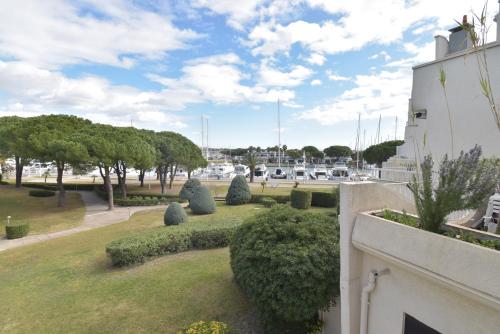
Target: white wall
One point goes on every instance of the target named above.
(472, 120)
(450, 285)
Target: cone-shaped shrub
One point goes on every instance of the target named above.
(202, 202)
(239, 192)
(188, 189)
(300, 199)
(175, 214)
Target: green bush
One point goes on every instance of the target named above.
(41, 193)
(202, 202)
(323, 199)
(139, 201)
(137, 248)
(16, 231)
(282, 199)
(300, 199)
(175, 215)
(337, 198)
(211, 238)
(238, 192)
(70, 186)
(287, 262)
(189, 188)
(268, 202)
(202, 327)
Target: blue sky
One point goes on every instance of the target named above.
(161, 65)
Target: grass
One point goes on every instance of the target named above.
(41, 212)
(67, 285)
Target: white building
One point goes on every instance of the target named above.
(428, 128)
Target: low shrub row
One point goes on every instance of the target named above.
(41, 193)
(69, 186)
(323, 199)
(166, 240)
(268, 202)
(300, 199)
(139, 201)
(16, 231)
(281, 199)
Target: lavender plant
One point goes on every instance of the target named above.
(463, 183)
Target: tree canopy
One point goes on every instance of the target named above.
(337, 151)
(376, 154)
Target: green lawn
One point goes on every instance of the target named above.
(41, 212)
(67, 285)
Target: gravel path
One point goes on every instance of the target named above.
(96, 215)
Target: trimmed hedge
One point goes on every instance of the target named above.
(323, 199)
(138, 201)
(138, 248)
(281, 199)
(175, 215)
(17, 231)
(42, 193)
(211, 238)
(238, 192)
(268, 202)
(69, 186)
(300, 199)
(202, 202)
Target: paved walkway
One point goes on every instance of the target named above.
(96, 215)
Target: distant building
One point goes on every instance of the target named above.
(428, 127)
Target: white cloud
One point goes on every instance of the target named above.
(385, 93)
(335, 77)
(360, 23)
(269, 76)
(54, 33)
(238, 12)
(316, 82)
(218, 79)
(381, 54)
(316, 59)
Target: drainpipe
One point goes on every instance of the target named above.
(365, 298)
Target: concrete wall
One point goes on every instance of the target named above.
(450, 285)
(472, 120)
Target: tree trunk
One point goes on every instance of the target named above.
(252, 170)
(162, 173)
(60, 185)
(109, 187)
(173, 171)
(19, 172)
(123, 183)
(142, 173)
(189, 174)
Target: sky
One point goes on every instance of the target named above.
(163, 65)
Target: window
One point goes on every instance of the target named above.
(413, 326)
(420, 114)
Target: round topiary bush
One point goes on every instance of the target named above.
(202, 202)
(16, 231)
(188, 189)
(42, 193)
(175, 214)
(288, 263)
(300, 199)
(238, 192)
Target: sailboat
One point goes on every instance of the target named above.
(279, 173)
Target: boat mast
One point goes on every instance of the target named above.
(396, 129)
(377, 138)
(208, 150)
(203, 138)
(357, 142)
(279, 135)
